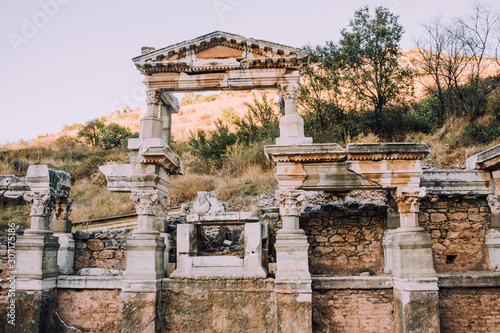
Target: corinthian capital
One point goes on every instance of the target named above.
(494, 203)
(148, 202)
(153, 96)
(289, 91)
(290, 202)
(408, 199)
(42, 203)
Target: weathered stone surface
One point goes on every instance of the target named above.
(100, 249)
(35, 312)
(486, 160)
(416, 311)
(291, 307)
(219, 305)
(346, 240)
(354, 310)
(469, 310)
(457, 182)
(458, 235)
(90, 310)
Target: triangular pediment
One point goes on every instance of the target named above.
(220, 51)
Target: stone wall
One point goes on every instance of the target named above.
(346, 238)
(91, 310)
(457, 226)
(100, 249)
(219, 306)
(469, 310)
(346, 310)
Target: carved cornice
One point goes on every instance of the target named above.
(149, 202)
(153, 96)
(408, 199)
(290, 202)
(42, 203)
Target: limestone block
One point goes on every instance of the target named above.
(291, 255)
(388, 255)
(416, 311)
(36, 256)
(486, 160)
(151, 127)
(292, 131)
(118, 176)
(145, 257)
(412, 253)
(140, 312)
(492, 241)
(66, 253)
(453, 182)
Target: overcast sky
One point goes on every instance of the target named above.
(67, 61)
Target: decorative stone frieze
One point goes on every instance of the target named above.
(290, 202)
(42, 203)
(148, 202)
(408, 199)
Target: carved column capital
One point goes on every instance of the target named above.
(63, 209)
(149, 202)
(42, 203)
(153, 96)
(408, 199)
(290, 202)
(494, 203)
(290, 91)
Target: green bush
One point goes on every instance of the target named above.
(114, 136)
(479, 134)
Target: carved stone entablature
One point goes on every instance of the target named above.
(149, 202)
(486, 160)
(494, 203)
(289, 91)
(408, 199)
(153, 96)
(63, 208)
(218, 51)
(318, 152)
(42, 203)
(386, 151)
(290, 202)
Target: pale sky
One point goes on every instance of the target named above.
(68, 61)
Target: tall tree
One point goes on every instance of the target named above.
(370, 51)
(91, 131)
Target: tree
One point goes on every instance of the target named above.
(455, 56)
(369, 51)
(91, 131)
(114, 136)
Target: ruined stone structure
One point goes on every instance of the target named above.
(341, 266)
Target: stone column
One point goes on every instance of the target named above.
(144, 266)
(36, 269)
(151, 125)
(166, 117)
(492, 239)
(291, 123)
(415, 280)
(293, 280)
(61, 227)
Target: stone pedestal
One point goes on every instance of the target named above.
(66, 253)
(145, 257)
(493, 244)
(291, 123)
(293, 279)
(141, 304)
(415, 280)
(388, 256)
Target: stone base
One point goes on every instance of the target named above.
(416, 311)
(35, 313)
(36, 255)
(145, 257)
(291, 255)
(66, 253)
(294, 307)
(412, 254)
(493, 244)
(141, 306)
(387, 244)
